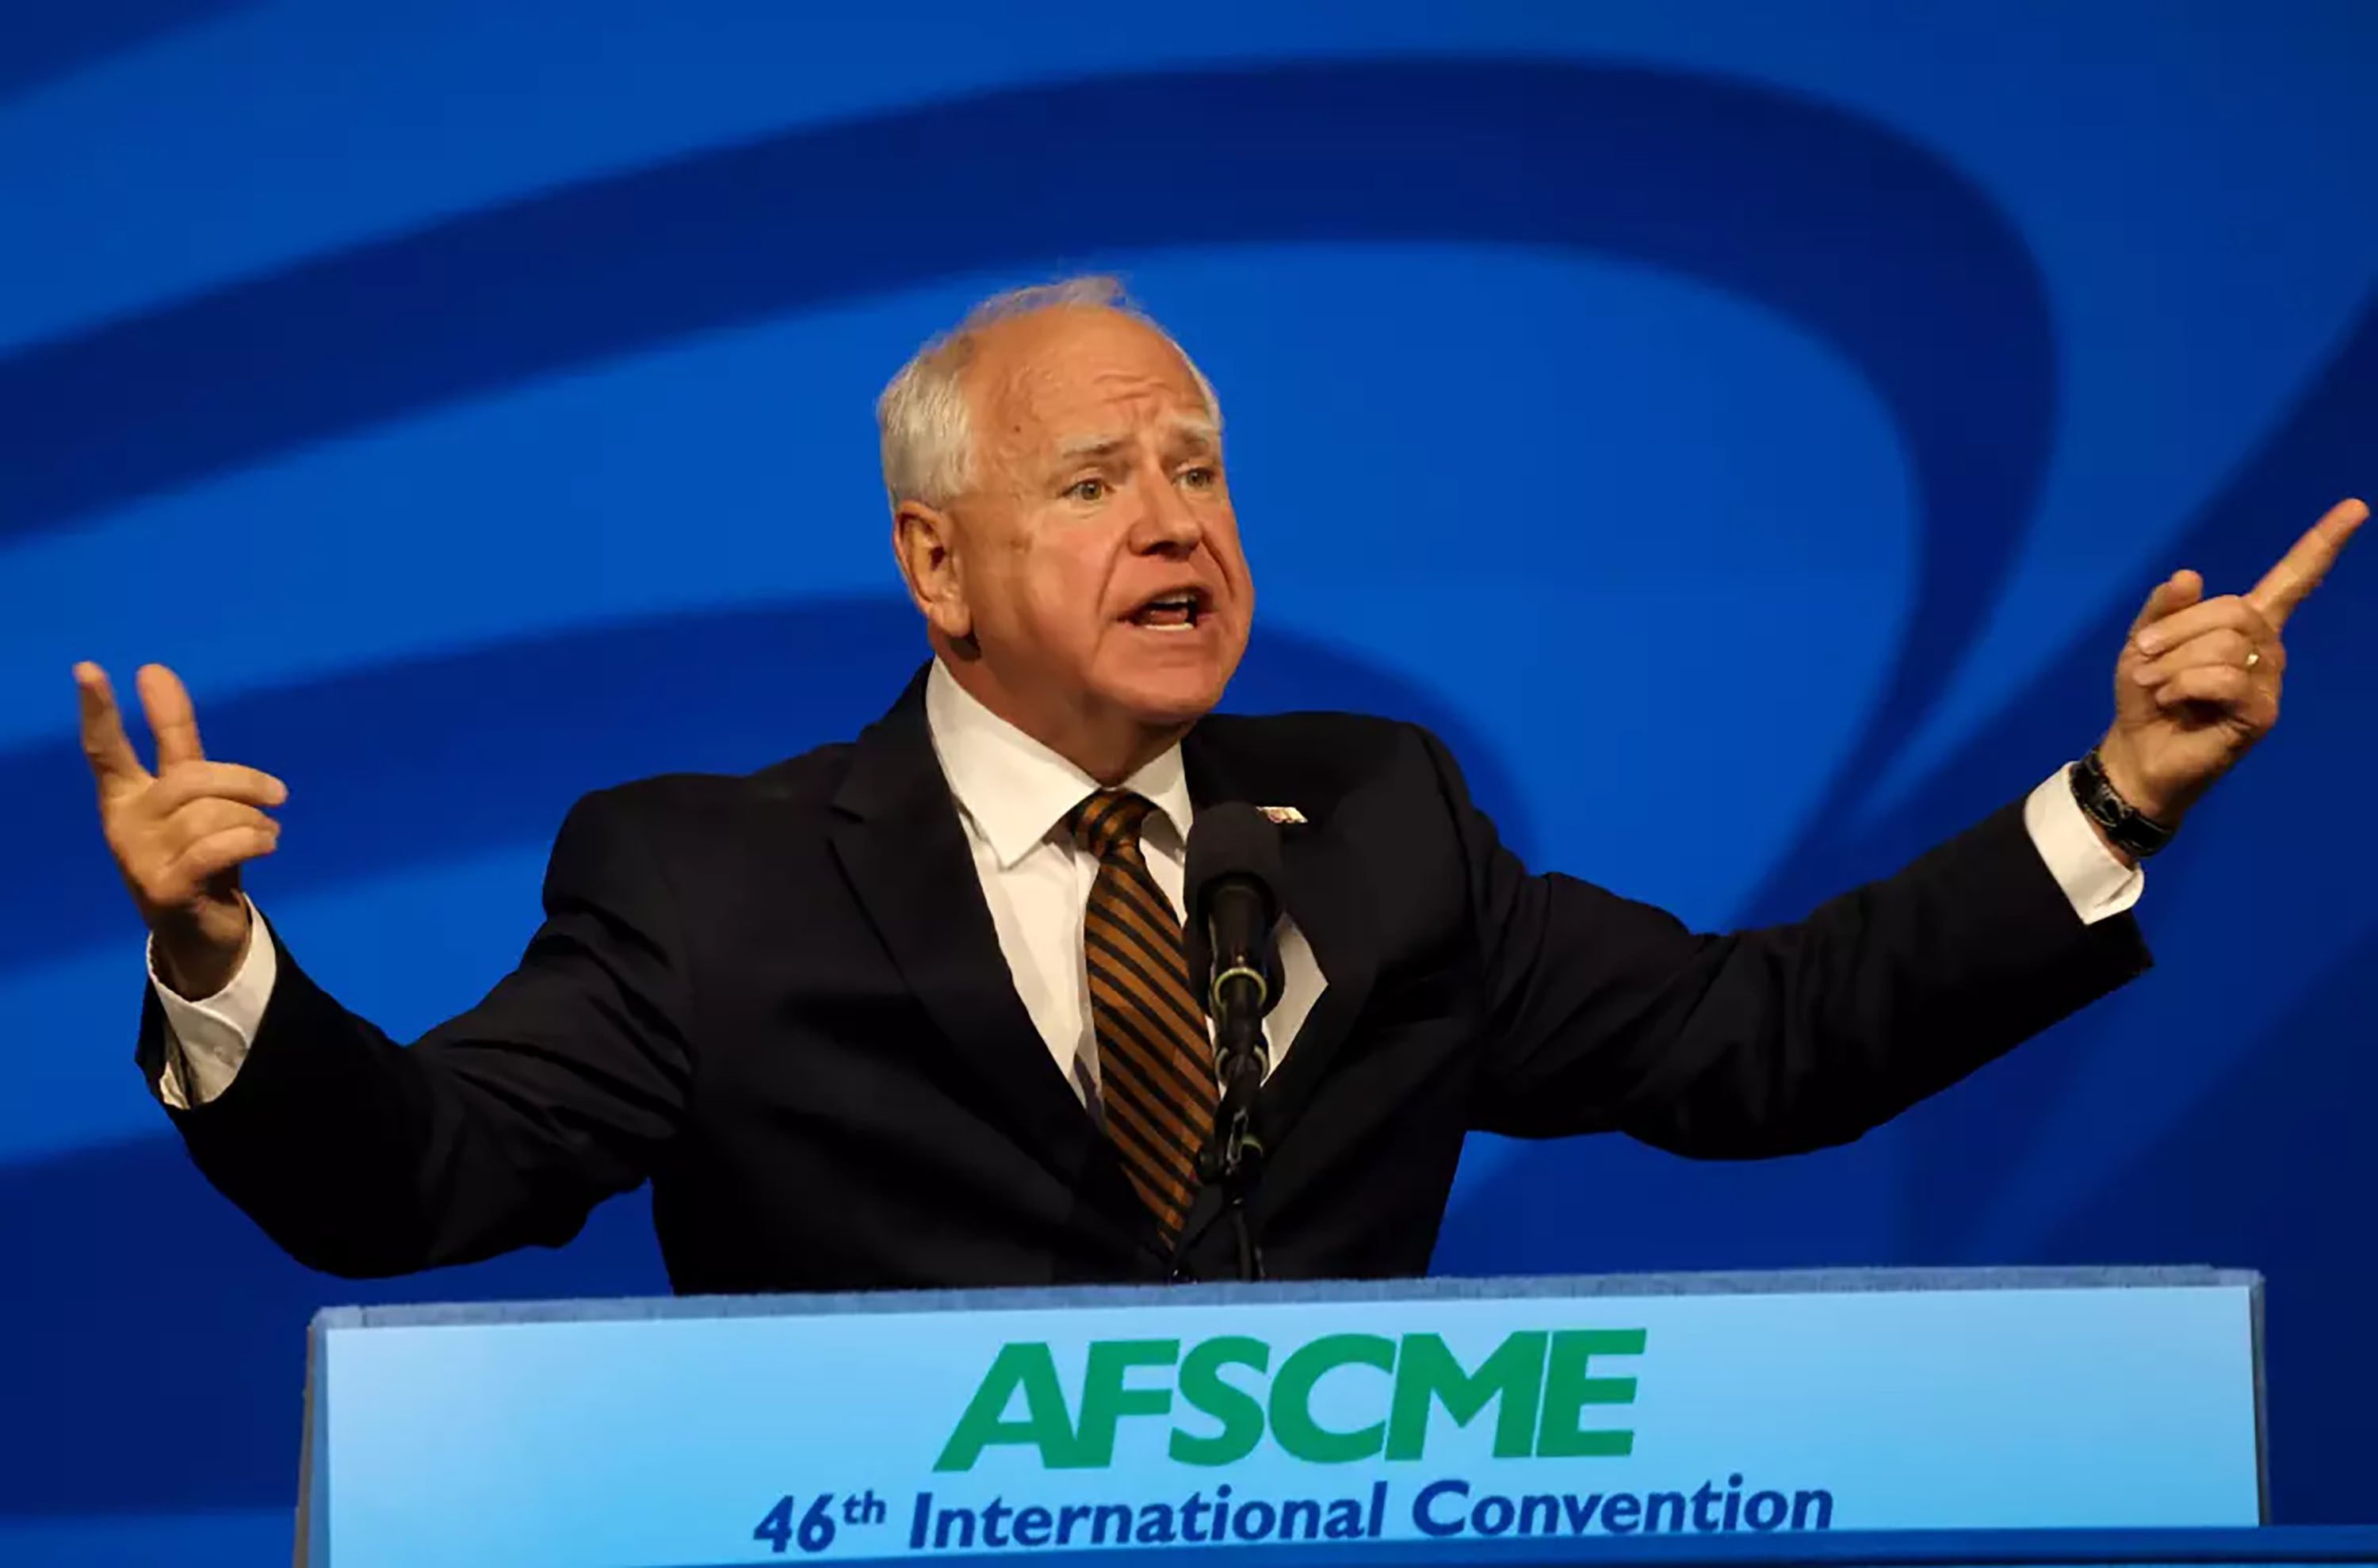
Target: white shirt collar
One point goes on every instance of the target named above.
(1015, 790)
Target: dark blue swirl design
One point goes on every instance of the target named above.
(1860, 237)
(40, 44)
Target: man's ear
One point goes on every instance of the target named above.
(924, 538)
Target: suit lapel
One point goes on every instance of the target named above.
(1326, 897)
(901, 843)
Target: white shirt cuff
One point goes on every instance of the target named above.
(210, 1038)
(2099, 885)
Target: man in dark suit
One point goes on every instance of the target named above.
(914, 1011)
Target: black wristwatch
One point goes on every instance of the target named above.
(2127, 826)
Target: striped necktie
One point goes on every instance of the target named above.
(1156, 1078)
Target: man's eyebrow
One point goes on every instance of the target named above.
(1084, 448)
(1198, 434)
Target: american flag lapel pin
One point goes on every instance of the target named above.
(1283, 817)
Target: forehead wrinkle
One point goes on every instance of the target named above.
(1016, 381)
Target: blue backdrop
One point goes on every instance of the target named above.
(1743, 430)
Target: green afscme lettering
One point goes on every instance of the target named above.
(1546, 1388)
(1511, 1378)
(1203, 1388)
(1027, 1370)
(1107, 1398)
(1568, 1390)
(1293, 1424)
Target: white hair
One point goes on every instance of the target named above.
(926, 427)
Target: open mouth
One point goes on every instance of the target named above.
(1178, 611)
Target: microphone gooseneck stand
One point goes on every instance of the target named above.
(1233, 1158)
(1231, 883)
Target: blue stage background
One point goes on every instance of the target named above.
(1743, 430)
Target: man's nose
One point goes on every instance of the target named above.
(1169, 524)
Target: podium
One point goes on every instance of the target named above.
(1828, 1416)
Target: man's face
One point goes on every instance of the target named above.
(1096, 555)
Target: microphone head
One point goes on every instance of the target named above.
(1232, 840)
(1230, 846)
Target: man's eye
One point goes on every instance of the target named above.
(1201, 478)
(1086, 490)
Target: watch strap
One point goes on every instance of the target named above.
(2125, 826)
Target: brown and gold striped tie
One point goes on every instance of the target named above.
(1155, 1064)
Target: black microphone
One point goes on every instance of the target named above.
(1231, 885)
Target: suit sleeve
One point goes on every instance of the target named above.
(1603, 1014)
(498, 1129)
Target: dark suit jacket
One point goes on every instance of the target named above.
(780, 999)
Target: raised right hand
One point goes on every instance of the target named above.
(181, 834)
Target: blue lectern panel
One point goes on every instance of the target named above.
(1281, 1419)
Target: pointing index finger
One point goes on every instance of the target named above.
(112, 761)
(2288, 585)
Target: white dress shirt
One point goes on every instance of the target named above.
(1013, 794)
